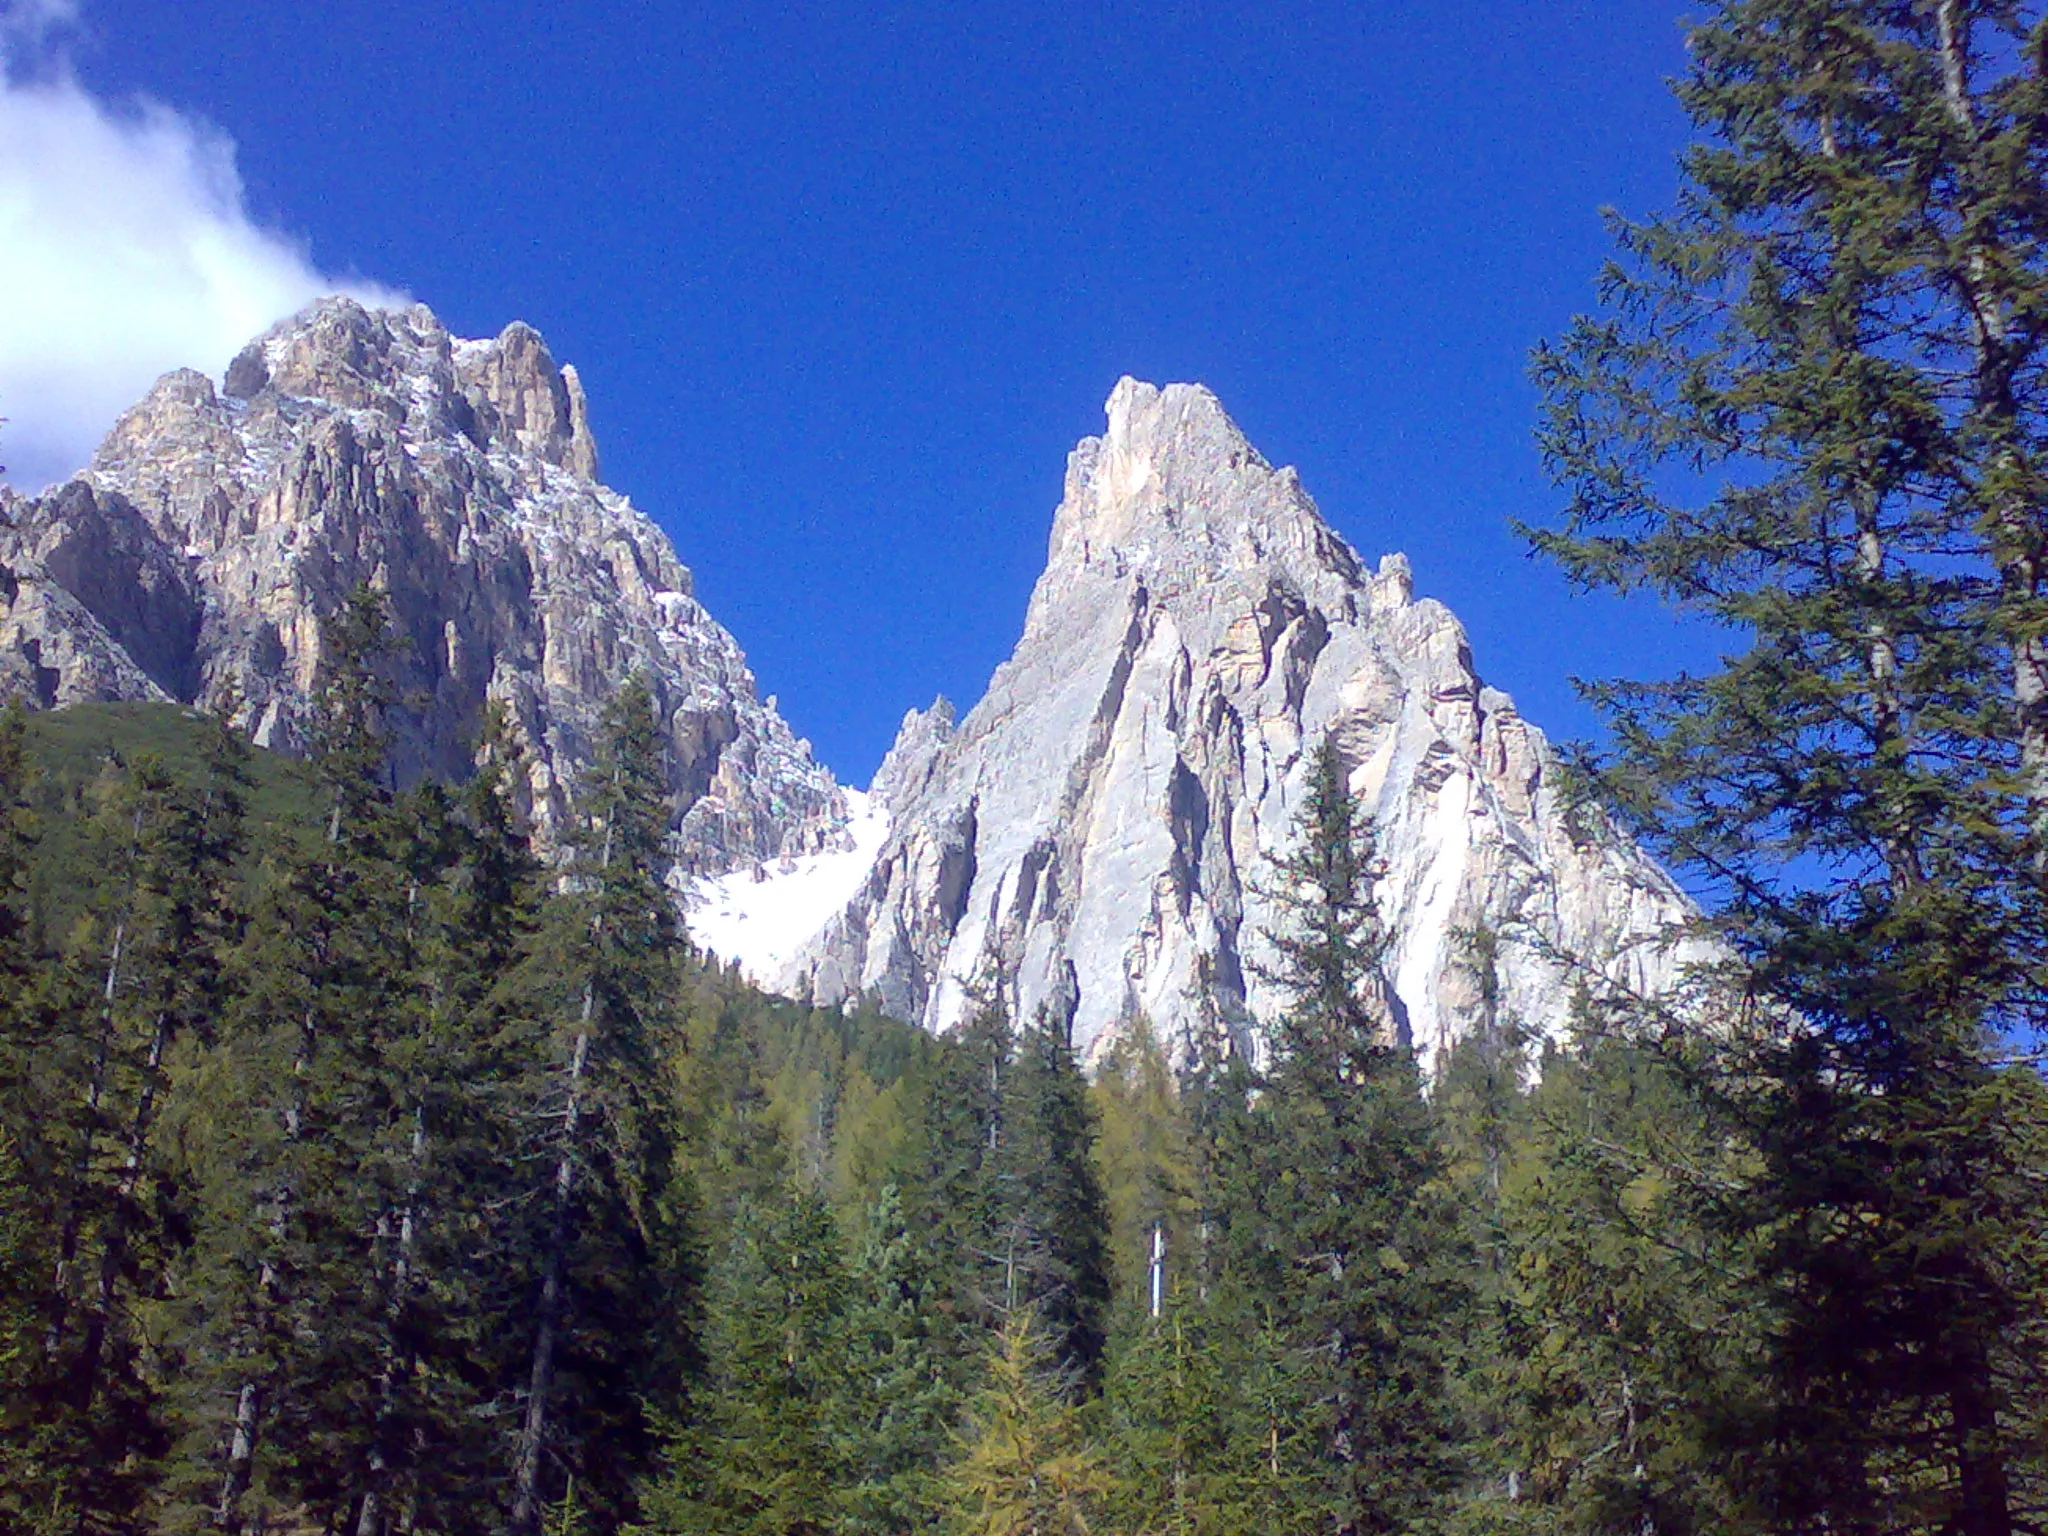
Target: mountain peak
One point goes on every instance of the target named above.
(218, 529)
(1174, 493)
(1095, 837)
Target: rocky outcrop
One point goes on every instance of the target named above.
(1095, 835)
(218, 528)
(54, 650)
(101, 551)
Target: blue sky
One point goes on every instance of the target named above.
(846, 281)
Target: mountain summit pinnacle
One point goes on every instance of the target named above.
(1173, 486)
(1091, 838)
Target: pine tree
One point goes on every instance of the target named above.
(1624, 1350)
(765, 1457)
(949, 1180)
(1343, 1219)
(898, 1398)
(610, 1246)
(1053, 1234)
(289, 1121)
(1813, 412)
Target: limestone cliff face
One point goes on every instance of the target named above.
(219, 526)
(1093, 834)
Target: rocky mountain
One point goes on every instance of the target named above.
(1093, 836)
(220, 524)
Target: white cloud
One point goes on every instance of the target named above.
(126, 249)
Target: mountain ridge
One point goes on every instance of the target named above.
(1087, 838)
(350, 446)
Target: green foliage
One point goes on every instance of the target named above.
(899, 1397)
(1025, 1467)
(1812, 412)
(1146, 1158)
(1052, 1230)
(765, 1456)
(1624, 1345)
(1339, 1212)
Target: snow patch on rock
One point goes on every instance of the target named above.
(762, 916)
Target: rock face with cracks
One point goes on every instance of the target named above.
(219, 527)
(1094, 836)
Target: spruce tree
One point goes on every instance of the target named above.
(1812, 411)
(1621, 1357)
(447, 1254)
(148, 974)
(949, 1180)
(897, 1398)
(609, 1246)
(765, 1456)
(1053, 1236)
(288, 1121)
(37, 1492)
(1344, 1220)
(1173, 1425)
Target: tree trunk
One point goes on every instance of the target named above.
(541, 1380)
(1983, 1491)
(2018, 545)
(242, 1449)
(526, 1495)
(116, 1254)
(388, 1366)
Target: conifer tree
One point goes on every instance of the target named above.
(949, 1178)
(1813, 411)
(1052, 1239)
(446, 1253)
(31, 1497)
(1174, 1425)
(289, 1120)
(1482, 1110)
(610, 1301)
(1623, 1348)
(765, 1457)
(1144, 1149)
(147, 973)
(1025, 1467)
(1345, 1221)
(898, 1398)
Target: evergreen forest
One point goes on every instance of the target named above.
(366, 1170)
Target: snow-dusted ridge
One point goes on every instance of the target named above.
(223, 522)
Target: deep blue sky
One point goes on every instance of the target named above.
(846, 281)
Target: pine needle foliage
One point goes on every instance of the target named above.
(1340, 1212)
(1813, 411)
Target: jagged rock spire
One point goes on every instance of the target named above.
(1091, 837)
